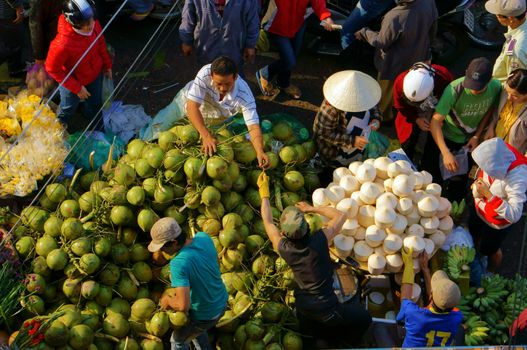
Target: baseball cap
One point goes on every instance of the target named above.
(478, 74)
(445, 292)
(163, 231)
(508, 8)
(293, 223)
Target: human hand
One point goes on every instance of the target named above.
(263, 185)
(83, 94)
(360, 142)
(108, 74)
(19, 15)
(423, 261)
(263, 160)
(472, 143)
(249, 54)
(327, 24)
(358, 36)
(208, 145)
(450, 162)
(423, 124)
(483, 189)
(375, 125)
(40, 62)
(164, 302)
(304, 207)
(187, 49)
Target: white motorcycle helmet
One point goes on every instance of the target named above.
(418, 84)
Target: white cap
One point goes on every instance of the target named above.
(418, 83)
(352, 91)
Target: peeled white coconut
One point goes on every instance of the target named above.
(434, 189)
(369, 161)
(388, 183)
(398, 226)
(375, 236)
(360, 234)
(349, 207)
(366, 215)
(339, 173)
(365, 173)
(402, 185)
(430, 225)
(444, 207)
(417, 266)
(415, 242)
(429, 246)
(406, 168)
(446, 224)
(335, 194)
(417, 196)
(362, 251)
(428, 205)
(356, 197)
(390, 315)
(381, 166)
(369, 192)
(418, 180)
(379, 251)
(387, 200)
(398, 277)
(319, 198)
(349, 184)
(343, 245)
(416, 293)
(405, 206)
(376, 264)
(392, 244)
(393, 170)
(384, 217)
(439, 238)
(349, 227)
(413, 217)
(427, 178)
(380, 184)
(376, 298)
(415, 230)
(354, 166)
(394, 263)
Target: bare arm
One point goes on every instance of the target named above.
(178, 299)
(270, 228)
(437, 133)
(196, 118)
(425, 270)
(257, 140)
(336, 218)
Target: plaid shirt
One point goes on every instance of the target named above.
(220, 6)
(330, 130)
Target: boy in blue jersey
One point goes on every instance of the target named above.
(197, 285)
(436, 324)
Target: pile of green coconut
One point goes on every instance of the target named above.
(92, 277)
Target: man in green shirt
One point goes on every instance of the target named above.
(461, 116)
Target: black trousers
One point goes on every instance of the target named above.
(11, 41)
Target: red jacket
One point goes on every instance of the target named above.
(289, 16)
(68, 47)
(406, 113)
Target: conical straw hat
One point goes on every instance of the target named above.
(352, 91)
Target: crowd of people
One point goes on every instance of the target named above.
(445, 125)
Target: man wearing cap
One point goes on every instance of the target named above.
(438, 323)
(415, 96)
(461, 116)
(511, 14)
(346, 117)
(318, 310)
(196, 281)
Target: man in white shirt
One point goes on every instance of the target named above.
(219, 93)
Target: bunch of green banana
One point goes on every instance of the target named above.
(457, 209)
(491, 294)
(457, 260)
(498, 334)
(516, 303)
(476, 331)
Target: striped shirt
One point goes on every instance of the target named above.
(239, 100)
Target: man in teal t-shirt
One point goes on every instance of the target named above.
(461, 115)
(195, 273)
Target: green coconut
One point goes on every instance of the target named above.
(71, 228)
(262, 265)
(116, 325)
(244, 152)
(143, 168)
(282, 131)
(233, 171)
(97, 186)
(255, 329)
(142, 271)
(81, 336)
(223, 185)
(192, 198)
(126, 288)
(254, 243)
(148, 344)
(34, 218)
(193, 169)
(253, 197)
(142, 309)
(154, 156)
(88, 201)
(90, 319)
(159, 324)
(57, 259)
(143, 292)
(124, 174)
(94, 308)
(274, 160)
(187, 134)
(109, 274)
(292, 341)
(272, 312)
(81, 246)
(175, 213)
(245, 212)
(90, 289)
(138, 252)
(174, 159)
(212, 227)
(146, 219)
(230, 200)
(166, 140)
(127, 344)
(52, 226)
(115, 195)
(35, 283)
(293, 180)
(57, 334)
(56, 192)
(47, 204)
(240, 336)
(120, 254)
(311, 181)
(210, 196)
(240, 183)
(105, 295)
(69, 208)
(39, 266)
(229, 237)
(72, 288)
(71, 271)
(121, 215)
(44, 245)
(288, 155)
(290, 198)
(102, 247)
(87, 179)
(149, 186)
(119, 306)
(300, 153)
(136, 196)
(128, 236)
(89, 263)
(135, 148)
(310, 148)
(164, 194)
(216, 168)
(177, 319)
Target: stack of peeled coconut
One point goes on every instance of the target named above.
(389, 207)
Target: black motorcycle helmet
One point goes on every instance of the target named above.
(78, 12)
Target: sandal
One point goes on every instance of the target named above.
(293, 91)
(266, 87)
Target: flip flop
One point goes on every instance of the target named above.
(293, 91)
(270, 89)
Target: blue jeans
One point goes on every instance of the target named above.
(362, 14)
(288, 49)
(70, 101)
(196, 332)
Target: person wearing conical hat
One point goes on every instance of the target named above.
(346, 117)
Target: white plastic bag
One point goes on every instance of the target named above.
(462, 164)
(458, 236)
(125, 121)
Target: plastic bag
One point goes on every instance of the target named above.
(125, 121)
(462, 164)
(377, 145)
(458, 236)
(300, 132)
(107, 91)
(94, 141)
(38, 81)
